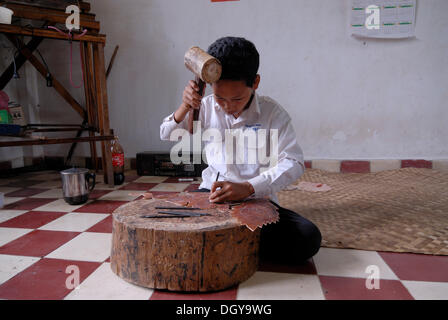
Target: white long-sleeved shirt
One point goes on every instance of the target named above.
(247, 162)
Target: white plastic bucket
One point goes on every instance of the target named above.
(6, 15)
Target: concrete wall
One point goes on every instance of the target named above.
(348, 98)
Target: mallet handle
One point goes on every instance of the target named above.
(194, 113)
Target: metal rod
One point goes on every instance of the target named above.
(54, 125)
(164, 217)
(192, 214)
(177, 208)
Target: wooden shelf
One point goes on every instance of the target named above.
(21, 143)
(94, 113)
(49, 34)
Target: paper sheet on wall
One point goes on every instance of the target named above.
(396, 18)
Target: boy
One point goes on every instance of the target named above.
(234, 104)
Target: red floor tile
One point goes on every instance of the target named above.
(22, 183)
(139, 186)
(26, 192)
(160, 193)
(229, 294)
(130, 178)
(95, 194)
(176, 180)
(308, 164)
(192, 187)
(417, 267)
(305, 268)
(416, 164)
(101, 206)
(104, 226)
(37, 243)
(341, 288)
(32, 219)
(28, 204)
(355, 167)
(45, 280)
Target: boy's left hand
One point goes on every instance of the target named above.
(230, 191)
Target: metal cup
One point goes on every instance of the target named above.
(76, 185)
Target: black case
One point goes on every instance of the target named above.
(159, 164)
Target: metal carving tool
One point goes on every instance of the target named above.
(164, 217)
(190, 214)
(177, 208)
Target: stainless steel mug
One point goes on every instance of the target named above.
(76, 185)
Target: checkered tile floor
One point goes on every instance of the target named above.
(41, 237)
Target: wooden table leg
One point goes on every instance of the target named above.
(103, 110)
(86, 55)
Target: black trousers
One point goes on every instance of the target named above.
(293, 239)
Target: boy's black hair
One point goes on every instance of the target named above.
(239, 58)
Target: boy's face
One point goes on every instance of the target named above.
(233, 96)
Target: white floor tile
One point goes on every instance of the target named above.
(9, 200)
(280, 286)
(10, 234)
(5, 181)
(350, 263)
(46, 176)
(103, 284)
(102, 186)
(49, 184)
(12, 265)
(120, 195)
(52, 193)
(7, 190)
(74, 221)
(170, 187)
(88, 246)
(59, 206)
(422, 290)
(150, 179)
(6, 215)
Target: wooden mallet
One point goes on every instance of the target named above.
(206, 68)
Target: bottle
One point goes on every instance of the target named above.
(117, 161)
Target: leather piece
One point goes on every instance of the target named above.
(253, 213)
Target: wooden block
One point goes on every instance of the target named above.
(195, 254)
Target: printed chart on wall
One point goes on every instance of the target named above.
(391, 19)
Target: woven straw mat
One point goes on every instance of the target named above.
(403, 210)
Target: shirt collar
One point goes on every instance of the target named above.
(250, 114)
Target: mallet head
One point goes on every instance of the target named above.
(203, 65)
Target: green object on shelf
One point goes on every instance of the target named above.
(5, 117)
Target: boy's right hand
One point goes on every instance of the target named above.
(191, 98)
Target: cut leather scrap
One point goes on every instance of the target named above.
(192, 199)
(309, 187)
(255, 213)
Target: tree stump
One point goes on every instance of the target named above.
(194, 254)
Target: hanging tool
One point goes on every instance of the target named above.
(72, 37)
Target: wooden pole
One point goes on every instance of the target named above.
(103, 110)
(87, 62)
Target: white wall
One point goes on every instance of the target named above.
(348, 98)
(23, 91)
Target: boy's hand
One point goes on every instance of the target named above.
(191, 97)
(230, 191)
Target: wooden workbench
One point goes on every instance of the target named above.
(94, 114)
